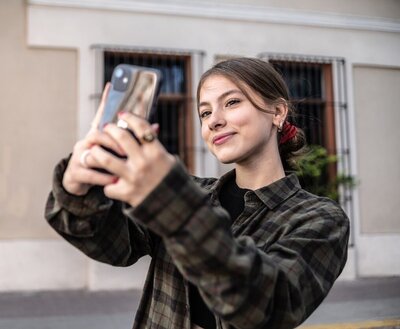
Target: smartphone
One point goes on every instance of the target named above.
(133, 89)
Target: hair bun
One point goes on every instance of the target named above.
(292, 147)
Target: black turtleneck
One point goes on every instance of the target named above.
(231, 197)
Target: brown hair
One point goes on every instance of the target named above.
(263, 79)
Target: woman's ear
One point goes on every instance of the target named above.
(281, 111)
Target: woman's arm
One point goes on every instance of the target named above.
(80, 212)
(96, 224)
(247, 285)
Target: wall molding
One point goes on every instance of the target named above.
(53, 264)
(234, 12)
(377, 254)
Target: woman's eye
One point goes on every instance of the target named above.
(232, 102)
(204, 114)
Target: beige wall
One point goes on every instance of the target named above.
(382, 8)
(38, 89)
(378, 135)
(55, 112)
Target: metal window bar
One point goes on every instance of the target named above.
(311, 103)
(304, 82)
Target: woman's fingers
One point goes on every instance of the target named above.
(156, 128)
(147, 162)
(145, 133)
(93, 177)
(137, 124)
(99, 138)
(125, 140)
(78, 177)
(99, 157)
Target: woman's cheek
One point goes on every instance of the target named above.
(204, 132)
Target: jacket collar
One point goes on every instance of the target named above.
(279, 191)
(271, 195)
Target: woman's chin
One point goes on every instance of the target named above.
(225, 159)
(227, 155)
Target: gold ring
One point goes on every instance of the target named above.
(148, 136)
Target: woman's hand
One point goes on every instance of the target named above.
(79, 175)
(146, 165)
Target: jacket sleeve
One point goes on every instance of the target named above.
(244, 284)
(96, 225)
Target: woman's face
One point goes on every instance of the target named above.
(234, 130)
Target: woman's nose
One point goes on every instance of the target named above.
(216, 121)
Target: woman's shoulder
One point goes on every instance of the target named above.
(205, 182)
(315, 205)
(316, 199)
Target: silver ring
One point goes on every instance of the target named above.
(122, 124)
(82, 158)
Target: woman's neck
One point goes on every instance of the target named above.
(256, 174)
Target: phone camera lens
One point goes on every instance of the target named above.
(119, 73)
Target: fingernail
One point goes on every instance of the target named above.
(156, 127)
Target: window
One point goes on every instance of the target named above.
(310, 86)
(318, 90)
(174, 106)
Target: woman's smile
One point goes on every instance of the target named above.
(222, 138)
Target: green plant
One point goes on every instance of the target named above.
(312, 170)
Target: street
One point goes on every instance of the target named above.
(363, 303)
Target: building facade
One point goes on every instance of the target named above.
(57, 54)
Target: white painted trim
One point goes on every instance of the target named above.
(350, 270)
(29, 265)
(351, 115)
(235, 12)
(378, 255)
(41, 265)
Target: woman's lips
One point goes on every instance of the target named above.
(220, 139)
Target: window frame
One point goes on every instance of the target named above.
(336, 113)
(186, 148)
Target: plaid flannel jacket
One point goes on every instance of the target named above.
(270, 268)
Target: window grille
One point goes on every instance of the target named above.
(174, 106)
(317, 88)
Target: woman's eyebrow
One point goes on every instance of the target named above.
(222, 96)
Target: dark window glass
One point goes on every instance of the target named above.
(306, 91)
(173, 104)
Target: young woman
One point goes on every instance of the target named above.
(251, 249)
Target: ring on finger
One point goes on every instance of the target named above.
(82, 158)
(148, 136)
(122, 124)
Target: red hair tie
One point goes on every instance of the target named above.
(288, 132)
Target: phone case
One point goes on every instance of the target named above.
(133, 89)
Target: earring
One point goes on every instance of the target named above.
(280, 126)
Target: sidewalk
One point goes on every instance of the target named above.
(68, 310)
(365, 303)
